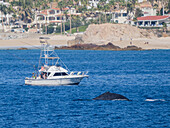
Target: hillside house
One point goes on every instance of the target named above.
(152, 21)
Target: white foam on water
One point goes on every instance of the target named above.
(154, 100)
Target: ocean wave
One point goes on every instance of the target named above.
(154, 100)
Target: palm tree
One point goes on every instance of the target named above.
(70, 6)
(9, 11)
(164, 2)
(106, 8)
(134, 2)
(61, 5)
(1, 7)
(76, 22)
(65, 18)
(152, 2)
(4, 11)
(85, 3)
(112, 6)
(130, 7)
(99, 7)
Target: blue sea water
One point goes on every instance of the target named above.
(138, 75)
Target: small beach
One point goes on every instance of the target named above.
(61, 40)
(33, 42)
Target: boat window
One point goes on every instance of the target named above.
(57, 74)
(64, 74)
(60, 74)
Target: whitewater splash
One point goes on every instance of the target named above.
(154, 100)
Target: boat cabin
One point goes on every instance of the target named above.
(52, 72)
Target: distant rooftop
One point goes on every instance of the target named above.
(152, 18)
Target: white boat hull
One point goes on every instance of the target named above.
(55, 82)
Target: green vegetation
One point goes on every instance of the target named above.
(81, 29)
(51, 28)
(26, 10)
(138, 13)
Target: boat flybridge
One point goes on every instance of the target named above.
(51, 71)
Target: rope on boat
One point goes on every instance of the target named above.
(22, 60)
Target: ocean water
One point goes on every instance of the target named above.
(141, 76)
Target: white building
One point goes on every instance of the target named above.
(4, 3)
(94, 3)
(6, 18)
(121, 16)
(139, 1)
(147, 9)
(53, 16)
(152, 21)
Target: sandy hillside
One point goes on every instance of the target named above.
(113, 32)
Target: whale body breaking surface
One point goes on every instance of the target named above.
(111, 96)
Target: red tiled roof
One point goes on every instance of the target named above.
(146, 6)
(44, 12)
(59, 8)
(152, 18)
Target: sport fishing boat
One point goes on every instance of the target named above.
(51, 70)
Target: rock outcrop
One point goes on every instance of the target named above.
(108, 46)
(104, 33)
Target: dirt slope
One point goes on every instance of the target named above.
(99, 34)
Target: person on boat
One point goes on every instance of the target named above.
(45, 75)
(41, 75)
(33, 76)
(42, 68)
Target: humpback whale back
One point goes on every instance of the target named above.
(110, 96)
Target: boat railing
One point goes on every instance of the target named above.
(78, 73)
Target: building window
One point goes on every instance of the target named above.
(41, 18)
(51, 18)
(52, 12)
(116, 15)
(124, 14)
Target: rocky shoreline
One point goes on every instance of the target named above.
(108, 46)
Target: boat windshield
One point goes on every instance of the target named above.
(60, 74)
